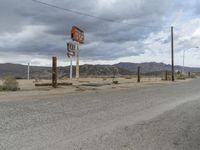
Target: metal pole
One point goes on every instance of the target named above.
(71, 67)
(77, 60)
(28, 71)
(54, 72)
(172, 51)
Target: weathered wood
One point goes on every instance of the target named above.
(138, 74)
(166, 74)
(54, 72)
(50, 84)
(43, 84)
(64, 84)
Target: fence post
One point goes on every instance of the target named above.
(166, 75)
(138, 74)
(54, 72)
(189, 74)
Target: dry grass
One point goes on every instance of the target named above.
(9, 84)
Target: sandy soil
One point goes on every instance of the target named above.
(29, 90)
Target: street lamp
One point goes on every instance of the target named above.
(183, 69)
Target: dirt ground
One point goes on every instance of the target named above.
(28, 88)
(146, 116)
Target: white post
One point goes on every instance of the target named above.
(77, 60)
(71, 67)
(28, 71)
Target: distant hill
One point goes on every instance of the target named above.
(152, 67)
(20, 71)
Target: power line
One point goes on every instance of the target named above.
(92, 16)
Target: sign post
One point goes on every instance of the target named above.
(78, 36)
(70, 67)
(77, 61)
(71, 48)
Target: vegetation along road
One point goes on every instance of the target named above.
(160, 117)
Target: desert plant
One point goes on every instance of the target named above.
(115, 72)
(180, 77)
(9, 84)
(129, 77)
(115, 82)
(104, 78)
(192, 75)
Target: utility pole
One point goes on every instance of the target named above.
(172, 51)
(28, 71)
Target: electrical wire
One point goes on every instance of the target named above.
(93, 16)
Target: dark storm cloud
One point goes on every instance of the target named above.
(111, 37)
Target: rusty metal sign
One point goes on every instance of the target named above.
(71, 48)
(77, 34)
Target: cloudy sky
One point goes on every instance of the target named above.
(140, 31)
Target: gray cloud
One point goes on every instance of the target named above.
(104, 40)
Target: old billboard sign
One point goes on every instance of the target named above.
(71, 48)
(77, 34)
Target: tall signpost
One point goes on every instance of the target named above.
(77, 61)
(77, 35)
(71, 48)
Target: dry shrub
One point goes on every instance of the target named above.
(115, 82)
(9, 84)
(129, 77)
(180, 77)
(193, 75)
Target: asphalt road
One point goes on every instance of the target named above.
(161, 117)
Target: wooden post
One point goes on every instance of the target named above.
(166, 75)
(138, 74)
(54, 72)
(28, 71)
(189, 74)
(71, 69)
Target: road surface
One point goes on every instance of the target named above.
(161, 117)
